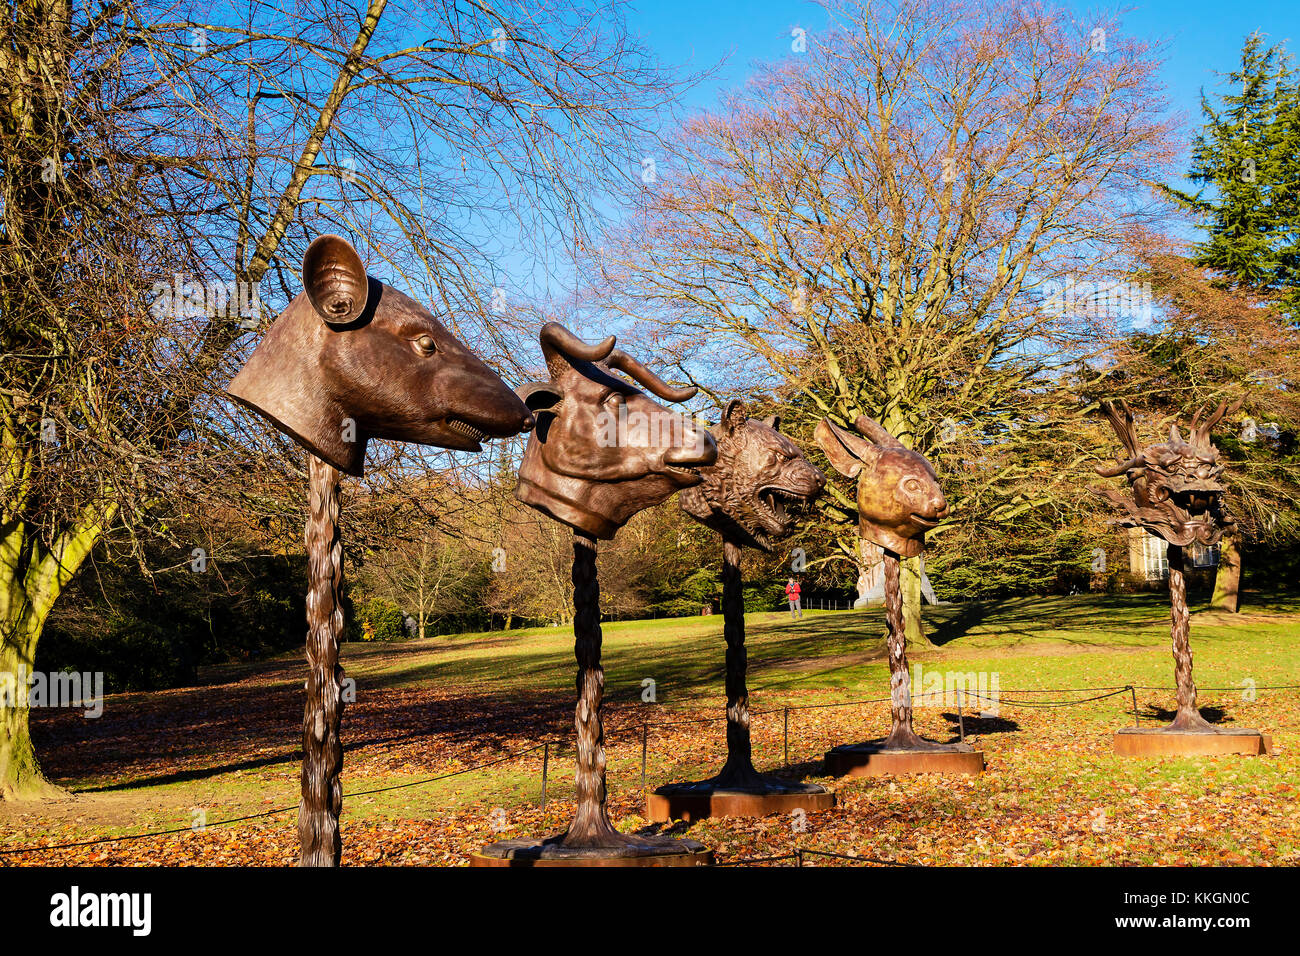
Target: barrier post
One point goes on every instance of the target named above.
(961, 718)
(546, 760)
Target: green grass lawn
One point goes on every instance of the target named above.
(1053, 791)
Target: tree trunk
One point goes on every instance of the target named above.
(20, 772)
(1227, 580)
(322, 747)
(590, 826)
(871, 586)
(914, 630)
(1188, 717)
(31, 580)
(901, 734)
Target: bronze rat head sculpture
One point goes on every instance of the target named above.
(603, 450)
(1177, 492)
(899, 498)
(759, 472)
(352, 359)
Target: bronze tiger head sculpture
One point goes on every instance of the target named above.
(760, 479)
(899, 498)
(352, 359)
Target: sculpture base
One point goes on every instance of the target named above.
(873, 759)
(696, 801)
(622, 850)
(1161, 742)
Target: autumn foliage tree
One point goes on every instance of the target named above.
(874, 226)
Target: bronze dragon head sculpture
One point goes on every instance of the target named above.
(1177, 491)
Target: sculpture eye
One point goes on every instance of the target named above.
(426, 344)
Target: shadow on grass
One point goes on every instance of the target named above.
(1153, 713)
(980, 725)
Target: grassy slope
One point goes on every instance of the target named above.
(1053, 792)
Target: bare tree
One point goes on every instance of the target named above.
(164, 161)
(875, 226)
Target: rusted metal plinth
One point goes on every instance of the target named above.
(872, 760)
(1158, 742)
(696, 801)
(627, 851)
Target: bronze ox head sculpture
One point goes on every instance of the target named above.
(899, 498)
(1177, 492)
(602, 450)
(352, 359)
(761, 478)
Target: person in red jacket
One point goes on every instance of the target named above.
(792, 595)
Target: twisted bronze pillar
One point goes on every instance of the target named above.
(1187, 717)
(739, 768)
(590, 826)
(901, 735)
(322, 747)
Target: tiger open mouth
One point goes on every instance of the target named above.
(776, 504)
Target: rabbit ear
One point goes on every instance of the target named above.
(876, 432)
(847, 452)
(335, 280)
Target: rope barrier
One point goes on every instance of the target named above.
(643, 728)
(265, 813)
(1045, 704)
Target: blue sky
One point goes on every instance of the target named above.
(1202, 37)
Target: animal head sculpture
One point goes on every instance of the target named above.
(1177, 492)
(899, 498)
(602, 449)
(352, 359)
(759, 472)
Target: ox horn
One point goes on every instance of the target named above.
(639, 373)
(559, 342)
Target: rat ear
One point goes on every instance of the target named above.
(335, 280)
(736, 414)
(847, 452)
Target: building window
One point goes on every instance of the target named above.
(1203, 557)
(1155, 557)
